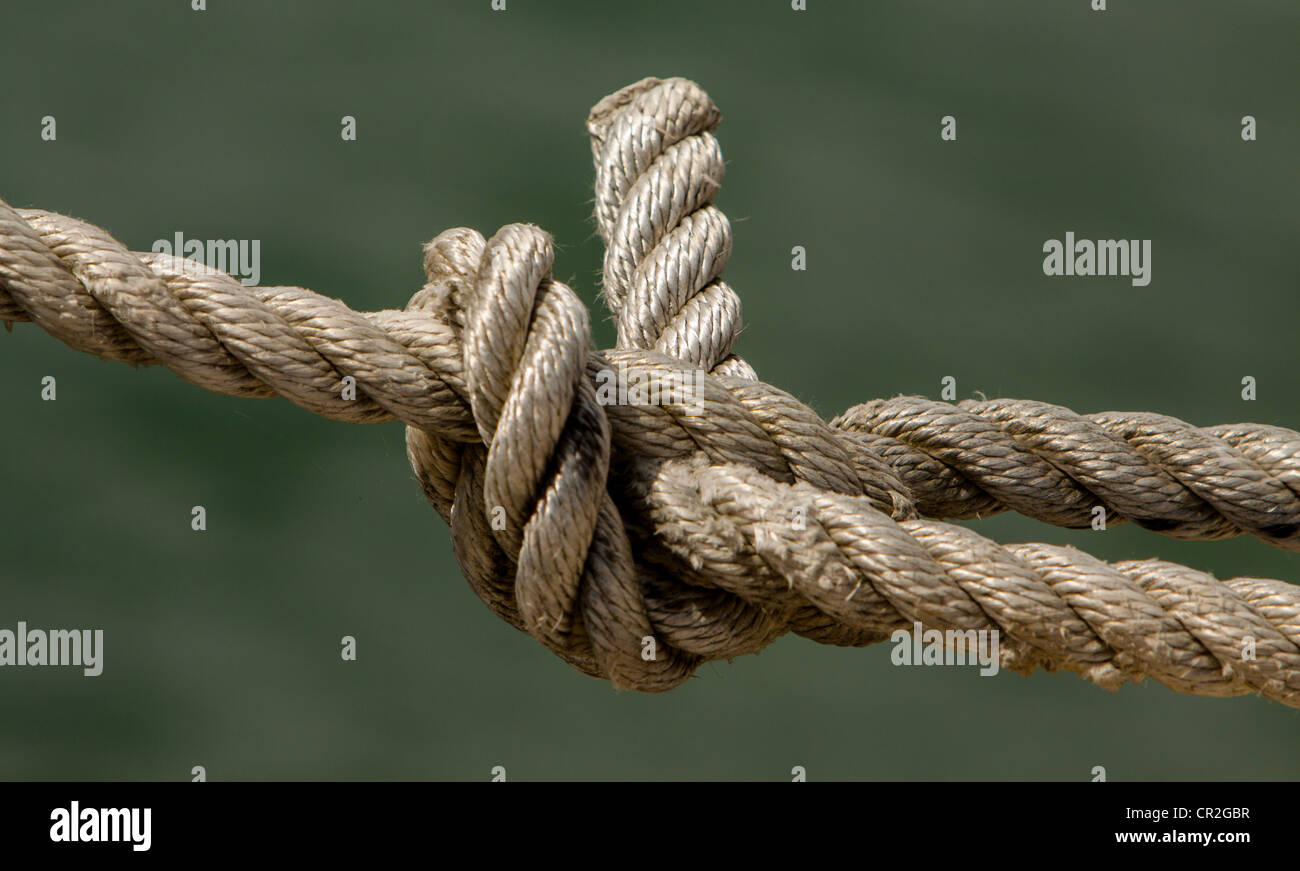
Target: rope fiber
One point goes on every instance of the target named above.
(639, 540)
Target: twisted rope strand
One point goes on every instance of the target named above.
(658, 167)
(1056, 607)
(978, 458)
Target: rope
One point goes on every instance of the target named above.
(978, 458)
(1055, 607)
(597, 527)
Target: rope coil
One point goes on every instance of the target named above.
(596, 527)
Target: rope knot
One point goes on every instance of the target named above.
(541, 489)
(638, 539)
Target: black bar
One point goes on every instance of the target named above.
(958, 821)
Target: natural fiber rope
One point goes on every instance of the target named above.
(978, 458)
(595, 527)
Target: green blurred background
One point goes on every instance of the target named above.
(924, 260)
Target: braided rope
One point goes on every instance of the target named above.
(596, 527)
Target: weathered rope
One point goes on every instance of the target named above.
(977, 458)
(658, 167)
(1056, 607)
(598, 527)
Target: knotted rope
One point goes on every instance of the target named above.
(639, 540)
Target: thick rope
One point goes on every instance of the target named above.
(1055, 607)
(658, 168)
(598, 527)
(978, 458)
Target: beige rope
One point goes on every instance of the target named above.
(658, 167)
(1055, 607)
(597, 527)
(979, 458)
